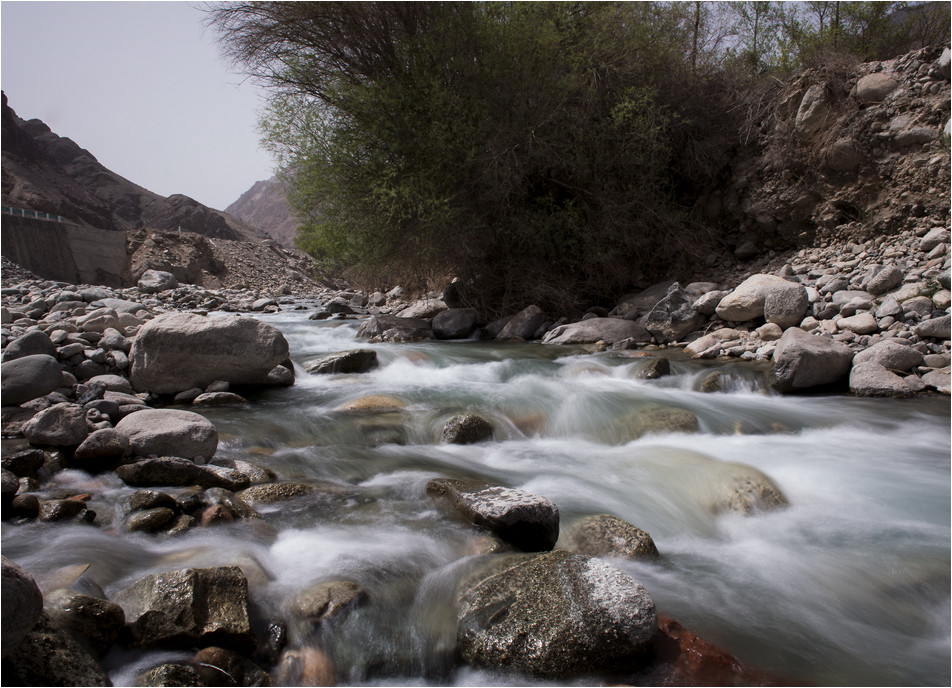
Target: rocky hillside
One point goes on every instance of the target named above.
(846, 152)
(50, 173)
(265, 206)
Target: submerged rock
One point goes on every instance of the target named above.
(466, 429)
(555, 615)
(607, 535)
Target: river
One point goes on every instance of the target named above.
(849, 585)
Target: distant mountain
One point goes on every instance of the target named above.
(45, 172)
(265, 206)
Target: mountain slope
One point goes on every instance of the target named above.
(265, 206)
(45, 172)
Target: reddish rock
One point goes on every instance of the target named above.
(684, 659)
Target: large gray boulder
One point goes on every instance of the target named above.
(608, 330)
(170, 432)
(390, 328)
(785, 304)
(673, 316)
(872, 88)
(802, 360)
(154, 281)
(28, 378)
(524, 520)
(883, 279)
(524, 324)
(935, 328)
(22, 604)
(60, 425)
(890, 354)
(870, 379)
(179, 351)
(189, 607)
(31, 343)
(555, 615)
(747, 300)
(455, 323)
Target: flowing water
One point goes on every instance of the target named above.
(849, 585)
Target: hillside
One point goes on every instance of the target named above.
(49, 173)
(265, 206)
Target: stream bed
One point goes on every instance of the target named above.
(849, 585)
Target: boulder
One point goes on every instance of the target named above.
(746, 301)
(60, 425)
(29, 377)
(170, 432)
(607, 535)
(375, 403)
(189, 607)
(424, 308)
(656, 419)
(813, 111)
(861, 323)
(22, 605)
(355, 361)
(390, 328)
(150, 520)
(526, 521)
(934, 237)
(523, 324)
(50, 656)
(466, 428)
(706, 304)
(785, 304)
(178, 351)
(154, 281)
(872, 88)
(271, 493)
(94, 622)
(105, 447)
(939, 380)
(935, 328)
(802, 360)
(455, 323)
(176, 471)
(30, 344)
(870, 379)
(327, 600)
(218, 399)
(171, 674)
(608, 330)
(555, 615)
(890, 354)
(883, 279)
(643, 301)
(673, 316)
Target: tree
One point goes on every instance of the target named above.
(532, 149)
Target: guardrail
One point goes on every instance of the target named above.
(22, 212)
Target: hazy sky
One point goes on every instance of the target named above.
(141, 86)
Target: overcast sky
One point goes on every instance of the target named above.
(141, 86)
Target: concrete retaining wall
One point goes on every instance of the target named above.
(66, 252)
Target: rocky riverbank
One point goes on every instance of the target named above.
(88, 372)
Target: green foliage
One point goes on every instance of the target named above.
(542, 152)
